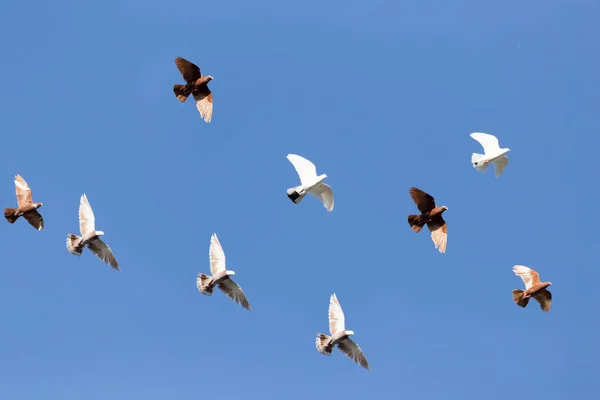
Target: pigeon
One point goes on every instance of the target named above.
(90, 237)
(533, 288)
(431, 215)
(196, 85)
(220, 276)
(26, 207)
(493, 153)
(339, 336)
(309, 183)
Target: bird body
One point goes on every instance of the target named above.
(309, 183)
(26, 207)
(431, 215)
(196, 85)
(493, 153)
(533, 288)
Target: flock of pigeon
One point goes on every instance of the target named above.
(430, 215)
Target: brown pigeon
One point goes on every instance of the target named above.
(196, 85)
(430, 215)
(26, 207)
(533, 288)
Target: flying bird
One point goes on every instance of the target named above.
(220, 276)
(339, 336)
(533, 288)
(493, 154)
(196, 85)
(26, 207)
(309, 183)
(90, 237)
(431, 215)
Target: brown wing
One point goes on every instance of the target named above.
(535, 277)
(424, 201)
(101, 249)
(234, 292)
(35, 219)
(439, 233)
(23, 191)
(544, 297)
(355, 353)
(189, 70)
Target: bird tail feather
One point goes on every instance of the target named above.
(72, 246)
(518, 298)
(322, 346)
(294, 194)
(179, 91)
(475, 158)
(9, 214)
(415, 223)
(203, 284)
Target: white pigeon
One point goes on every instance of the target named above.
(339, 336)
(493, 153)
(309, 183)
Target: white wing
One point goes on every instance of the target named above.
(205, 107)
(525, 274)
(305, 169)
(216, 255)
(488, 142)
(324, 194)
(500, 163)
(337, 321)
(87, 221)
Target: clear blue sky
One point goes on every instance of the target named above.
(381, 96)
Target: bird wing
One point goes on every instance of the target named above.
(216, 255)
(487, 141)
(544, 297)
(35, 219)
(204, 102)
(234, 292)
(189, 70)
(87, 221)
(529, 276)
(24, 196)
(354, 351)
(324, 194)
(500, 163)
(307, 172)
(101, 249)
(439, 232)
(424, 201)
(337, 321)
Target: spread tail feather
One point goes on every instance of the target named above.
(9, 214)
(294, 194)
(518, 298)
(475, 159)
(72, 245)
(415, 223)
(179, 91)
(203, 284)
(322, 345)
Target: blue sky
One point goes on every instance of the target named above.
(381, 96)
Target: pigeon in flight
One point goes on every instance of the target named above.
(26, 207)
(430, 215)
(533, 288)
(90, 237)
(339, 336)
(220, 276)
(493, 153)
(309, 183)
(196, 85)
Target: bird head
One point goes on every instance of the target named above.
(99, 233)
(38, 204)
(230, 273)
(349, 333)
(444, 208)
(209, 78)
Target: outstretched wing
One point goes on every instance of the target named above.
(354, 351)
(307, 172)
(87, 221)
(35, 219)
(24, 196)
(189, 70)
(234, 292)
(204, 102)
(101, 249)
(424, 201)
(216, 255)
(529, 276)
(544, 297)
(439, 233)
(500, 163)
(324, 194)
(487, 141)
(337, 321)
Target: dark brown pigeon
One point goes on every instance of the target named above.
(196, 85)
(533, 288)
(430, 215)
(26, 207)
